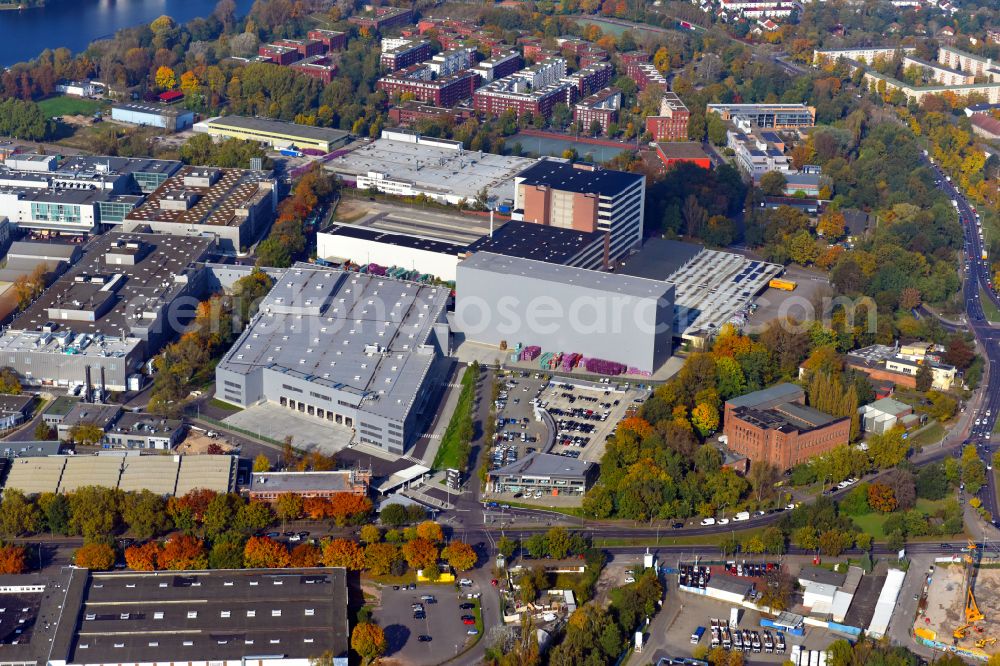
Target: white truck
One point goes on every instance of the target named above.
(734, 617)
(741, 516)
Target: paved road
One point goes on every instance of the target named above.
(978, 279)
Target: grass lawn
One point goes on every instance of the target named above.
(225, 406)
(989, 307)
(872, 523)
(932, 434)
(454, 449)
(64, 105)
(668, 539)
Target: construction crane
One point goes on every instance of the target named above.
(972, 612)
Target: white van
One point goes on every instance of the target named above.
(741, 516)
(707, 521)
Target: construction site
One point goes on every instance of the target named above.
(960, 608)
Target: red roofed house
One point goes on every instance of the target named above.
(171, 96)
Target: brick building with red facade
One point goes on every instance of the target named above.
(331, 39)
(776, 427)
(446, 91)
(382, 18)
(672, 122)
(601, 107)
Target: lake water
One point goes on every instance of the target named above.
(76, 23)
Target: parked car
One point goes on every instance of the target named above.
(424, 638)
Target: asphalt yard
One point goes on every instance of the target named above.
(442, 623)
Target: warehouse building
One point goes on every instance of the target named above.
(276, 133)
(583, 197)
(550, 474)
(346, 349)
(407, 164)
(169, 118)
(234, 206)
(603, 316)
(248, 617)
(553, 245)
(14, 409)
(113, 310)
(136, 430)
(163, 475)
(24, 258)
(775, 426)
(87, 413)
(364, 245)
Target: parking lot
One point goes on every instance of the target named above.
(518, 432)
(587, 413)
(433, 635)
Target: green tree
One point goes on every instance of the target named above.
(887, 449)
(18, 514)
(557, 542)
(145, 513)
(261, 463)
(87, 434)
(716, 128)
(56, 512)
(925, 377)
(253, 516)
(773, 183)
(506, 546)
(393, 515)
(94, 511)
(220, 514)
(43, 431)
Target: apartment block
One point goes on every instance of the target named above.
(601, 107)
(672, 122)
(645, 74)
(446, 91)
(400, 56)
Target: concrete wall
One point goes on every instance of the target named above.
(491, 308)
(363, 251)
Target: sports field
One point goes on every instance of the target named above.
(64, 105)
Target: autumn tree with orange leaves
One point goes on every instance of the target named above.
(430, 531)
(264, 553)
(95, 556)
(420, 553)
(460, 555)
(344, 553)
(379, 558)
(183, 552)
(143, 557)
(306, 555)
(348, 508)
(13, 559)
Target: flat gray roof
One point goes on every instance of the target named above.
(220, 615)
(278, 127)
(768, 397)
(333, 481)
(580, 277)
(149, 284)
(545, 464)
(323, 325)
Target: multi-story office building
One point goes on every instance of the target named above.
(359, 351)
(583, 197)
(766, 116)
